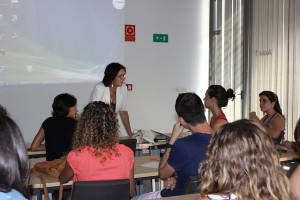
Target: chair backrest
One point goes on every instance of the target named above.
(131, 143)
(191, 185)
(101, 190)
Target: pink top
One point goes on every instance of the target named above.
(87, 167)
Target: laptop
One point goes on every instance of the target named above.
(160, 137)
(131, 143)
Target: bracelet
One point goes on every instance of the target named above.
(168, 145)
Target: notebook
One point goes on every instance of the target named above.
(148, 135)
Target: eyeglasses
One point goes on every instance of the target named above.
(122, 76)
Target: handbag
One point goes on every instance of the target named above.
(54, 169)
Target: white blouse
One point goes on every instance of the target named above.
(102, 93)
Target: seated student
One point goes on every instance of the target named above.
(96, 154)
(216, 97)
(57, 131)
(242, 163)
(294, 146)
(14, 163)
(273, 121)
(183, 155)
(295, 183)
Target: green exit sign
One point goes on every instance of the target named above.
(160, 37)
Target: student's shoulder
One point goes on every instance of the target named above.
(278, 119)
(123, 147)
(48, 120)
(219, 123)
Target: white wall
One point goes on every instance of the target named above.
(156, 70)
(30, 104)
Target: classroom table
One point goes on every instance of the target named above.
(154, 148)
(140, 173)
(139, 148)
(34, 154)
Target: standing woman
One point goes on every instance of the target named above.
(112, 91)
(273, 121)
(216, 97)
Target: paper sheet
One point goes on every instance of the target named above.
(153, 164)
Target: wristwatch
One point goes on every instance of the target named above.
(168, 145)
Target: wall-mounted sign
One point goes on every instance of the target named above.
(160, 37)
(129, 33)
(263, 52)
(129, 87)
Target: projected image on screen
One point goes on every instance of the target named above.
(58, 40)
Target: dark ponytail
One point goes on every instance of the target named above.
(221, 94)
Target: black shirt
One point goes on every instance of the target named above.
(58, 136)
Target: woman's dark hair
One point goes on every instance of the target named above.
(273, 98)
(14, 163)
(3, 110)
(111, 72)
(297, 133)
(189, 106)
(62, 103)
(220, 94)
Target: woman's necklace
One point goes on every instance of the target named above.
(112, 95)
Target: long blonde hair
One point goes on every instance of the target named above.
(241, 160)
(97, 128)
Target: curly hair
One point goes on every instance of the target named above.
(220, 94)
(111, 71)
(62, 103)
(241, 160)
(273, 98)
(97, 128)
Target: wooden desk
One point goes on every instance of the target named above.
(183, 197)
(139, 173)
(139, 146)
(289, 156)
(34, 154)
(144, 145)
